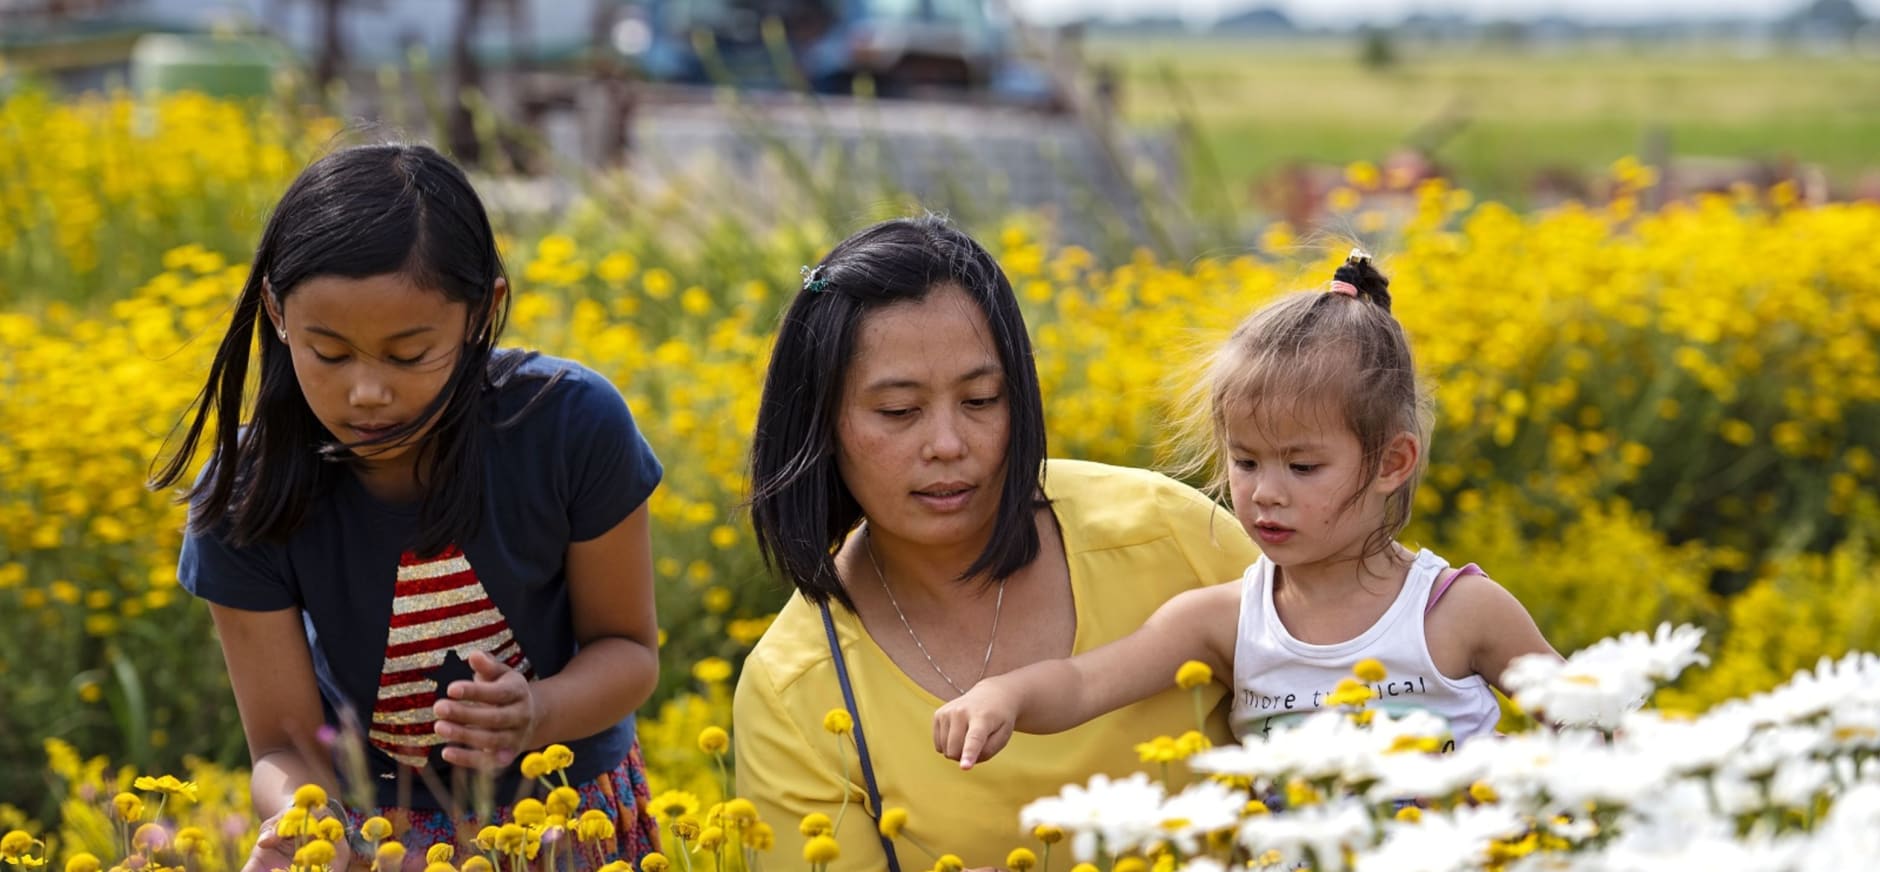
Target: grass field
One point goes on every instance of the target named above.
(1262, 104)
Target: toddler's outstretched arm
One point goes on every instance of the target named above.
(1055, 695)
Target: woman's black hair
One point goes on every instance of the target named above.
(364, 211)
(800, 507)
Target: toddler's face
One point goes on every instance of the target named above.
(1292, 477)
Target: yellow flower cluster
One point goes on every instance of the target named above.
(1634, 410)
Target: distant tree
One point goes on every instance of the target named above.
(1377, 49)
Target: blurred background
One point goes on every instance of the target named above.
(1631, 241)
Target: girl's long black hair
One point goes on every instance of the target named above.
(370, 210)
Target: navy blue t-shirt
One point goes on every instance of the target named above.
(389, 629)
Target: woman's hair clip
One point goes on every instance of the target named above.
(1358, 255)
(813, 280)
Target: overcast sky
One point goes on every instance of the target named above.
(1336, 11)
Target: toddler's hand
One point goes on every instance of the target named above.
(977, 725)
(490, 720)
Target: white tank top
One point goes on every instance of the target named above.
(1278, 679)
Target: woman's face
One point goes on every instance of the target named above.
(371, 354)
(925, 421)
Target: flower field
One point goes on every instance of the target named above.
(1642, 417)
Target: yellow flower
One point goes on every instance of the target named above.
(129, 806)
(1084, 867)
(330, 829)
(167, 785)
(1130, 864)
(594, 826)
(712, 670)
(713, 740)
(655, 862)
(309, 797)
(16, 843)
(1021, 860)
(440, 867)
(82, 862)
(559, 757)
(1410, 814)
(1192, 674)
(1369, 669)
(711, 838)
(949, 863)
(821, 849)
(529, 812)
(512, 839)
(389, 858)
(673, 804)
(1047, 834)
(892, 821)
(815, 824)
(760, 837)
(534, 765)
(1350, 691)
(318, 852)
(837, 721)
(563, 801)
(375, 829)
(489, 837)
(1253, 808)
(442, 852)
(1481, 792)
(686, 827)
(741, 811)
(478, 863)
(192, 841)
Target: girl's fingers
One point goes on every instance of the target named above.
(502, 691)
(504, 716)
(478, 758)
(471, 736)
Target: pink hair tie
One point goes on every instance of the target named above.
(1346, 288)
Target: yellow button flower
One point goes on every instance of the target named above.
(713, 740)
(82, 862)
(442, 852)
(655, 862)
(559, 757)
(821, 849)
(390, 857)
(1047, 834)
(815, 824)
(309, 797)
(375, 829)
(1192, 674)
(1021, 860)
(892, 822)
(837, 721)
(1369, 669)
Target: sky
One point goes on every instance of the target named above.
(1331, 12)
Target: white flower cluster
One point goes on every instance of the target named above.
(1784, 780)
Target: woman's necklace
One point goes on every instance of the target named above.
(868, 541)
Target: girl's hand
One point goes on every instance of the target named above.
(272, 852)
(977, 724)
(490, 720)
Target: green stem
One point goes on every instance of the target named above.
(843, 752)
(1201, 718)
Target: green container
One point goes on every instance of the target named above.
(223, 66)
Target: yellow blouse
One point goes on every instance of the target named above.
(1132, 538)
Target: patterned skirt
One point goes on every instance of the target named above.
(622, 793)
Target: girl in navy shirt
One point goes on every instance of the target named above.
(435, 544)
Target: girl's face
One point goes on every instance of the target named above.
(371, 354)
(924, 423)
(1292, 479)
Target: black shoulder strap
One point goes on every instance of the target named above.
(861, 743)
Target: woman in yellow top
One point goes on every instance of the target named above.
(899, 482)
